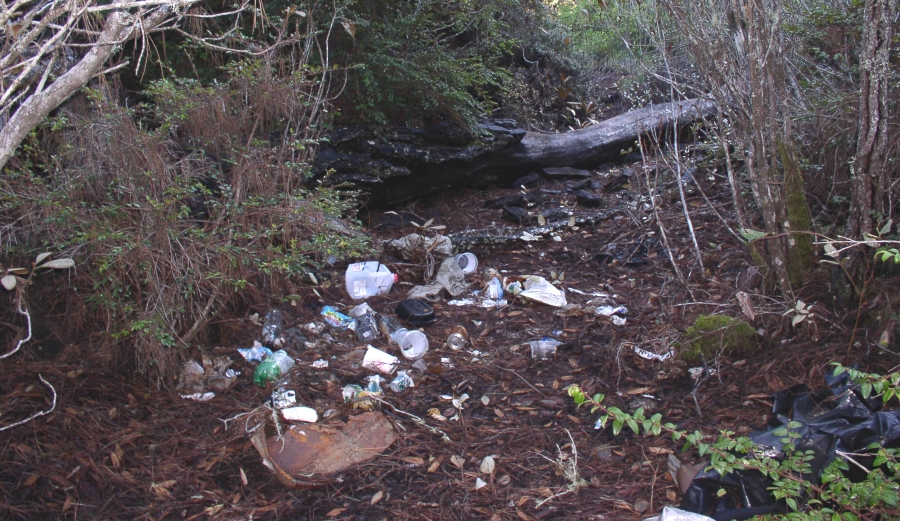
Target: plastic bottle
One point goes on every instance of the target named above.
(272, 328)
(272, 368)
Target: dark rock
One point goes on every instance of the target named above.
(565, 171)
(517, 215)
(588, 199)
(528, 181)
(533, 197)
(584, 184)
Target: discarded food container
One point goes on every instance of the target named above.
(272, 334)
(414, 345)
(377, 360)
(273, 367)
(374, 385)
(300, 414)
(457, 338)
(402, 382)
(468, 262)
(367, 279)
(283, 398)
(416, 312)
(544, 349)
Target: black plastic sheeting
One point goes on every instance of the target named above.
(839, 421)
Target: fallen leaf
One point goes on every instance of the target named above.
(458, 461)
(213, 510)
(485, 400)
(479, 483)
(638, 390)
(499, 413)
(671, 495)
(414, 460)
(522, 500)
(244, 479)
(660, 450)
(434, 466)
(377, 497)
(335, 512)
(545, 491)
(504, 480)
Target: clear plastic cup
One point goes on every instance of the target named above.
(414, 345)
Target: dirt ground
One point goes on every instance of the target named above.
(116, 447)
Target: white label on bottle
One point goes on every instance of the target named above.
(359, 289)
(359, 266)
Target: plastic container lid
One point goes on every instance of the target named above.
(416, 312)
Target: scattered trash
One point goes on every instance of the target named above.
(272, 334)
(361, 398)
(319, 451)
(300, 414)
(402, 382)
(479, 483)
(257, 353)
(388, 325)
(335, 318)
(653, 356)
(373, 386)
(319, 364)
(544, 349)
(415, 246)
(272, 368)
(212, 376)
(468, 262)
(435, 413)
(538, 289)
(413, 344)
(199, 397)
(368, 279)
(283, 398)
(676, 514)
(415, 312)
(494, 289)
(377, 360)
(366, 328)
(452, 277)
(617, 320)
(420, 365)
(608, 311)
(457, 338)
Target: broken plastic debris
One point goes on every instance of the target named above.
(283, 398)
(653, 356)
(538, 289)
(617, 320)
(676, 514)
(494, 289)
(319, 364)
(199, 397)
(608, 311)
(257, 353)
(544, 349)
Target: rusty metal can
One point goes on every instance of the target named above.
(458, 337)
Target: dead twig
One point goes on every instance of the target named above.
(37, 414)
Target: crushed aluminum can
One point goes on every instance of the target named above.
(283, 398)
(402, 382)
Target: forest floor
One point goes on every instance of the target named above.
(117, 447)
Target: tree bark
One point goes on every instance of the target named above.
(869, 169)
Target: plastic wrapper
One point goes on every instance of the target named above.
(257, 353)
(335, 318)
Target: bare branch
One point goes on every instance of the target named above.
(37, 414)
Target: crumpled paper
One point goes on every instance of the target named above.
(538, 289)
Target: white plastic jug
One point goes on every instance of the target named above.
(367, 279)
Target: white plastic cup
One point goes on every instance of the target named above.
(378, 360)
(414, 345)
(468, 262)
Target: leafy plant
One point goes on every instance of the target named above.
(835, 496)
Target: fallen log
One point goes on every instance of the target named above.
(408, 163)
